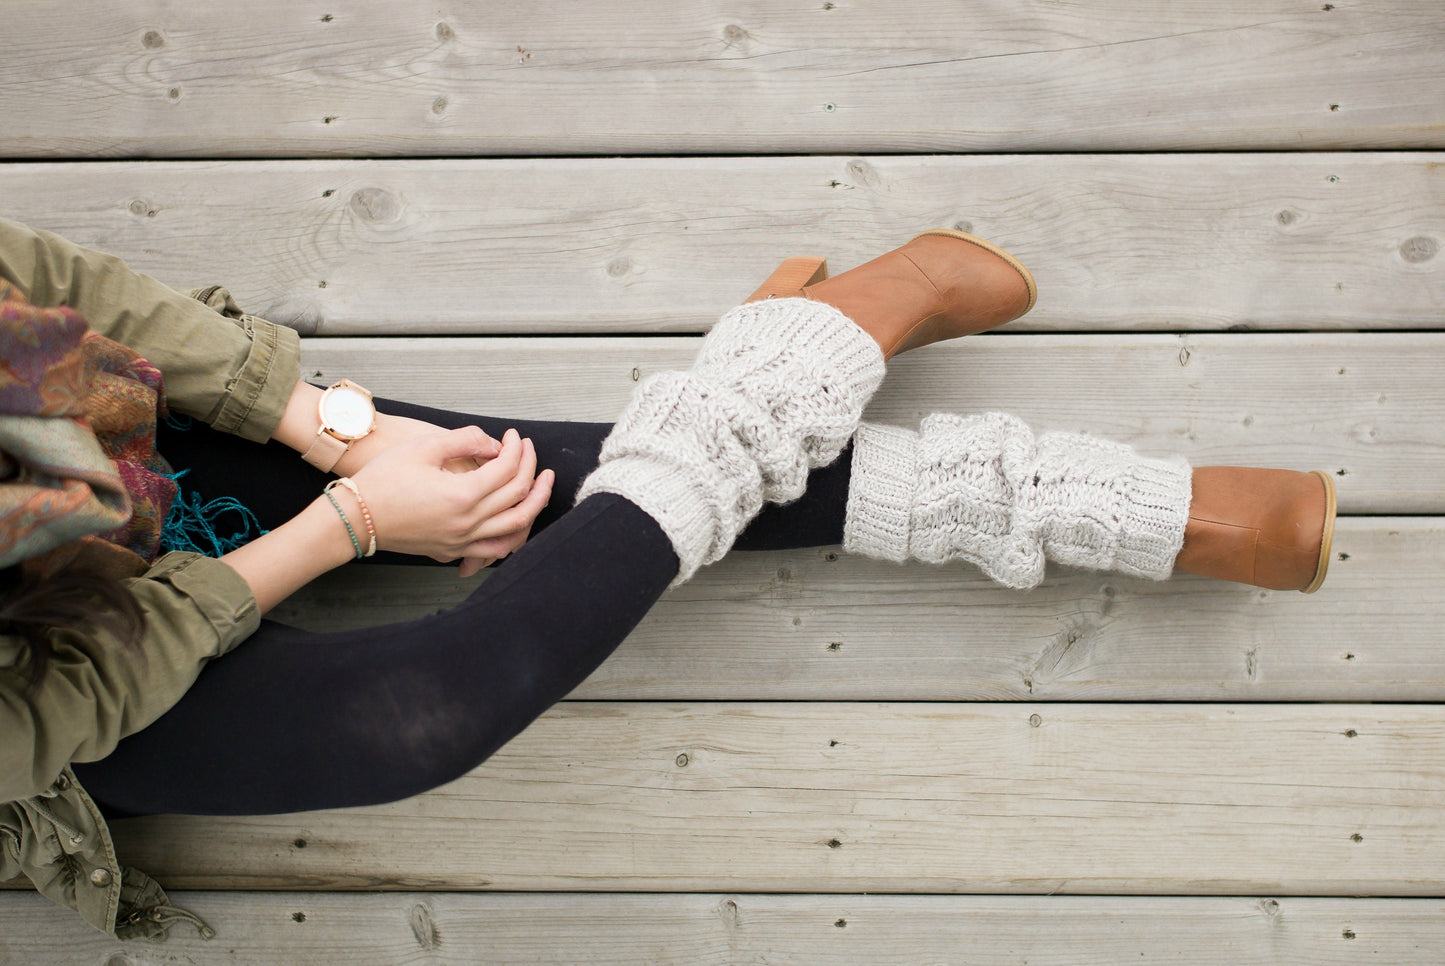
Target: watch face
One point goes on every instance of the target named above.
(347, 412)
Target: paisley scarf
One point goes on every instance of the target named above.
(81, 482)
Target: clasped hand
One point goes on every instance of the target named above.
(453, 494)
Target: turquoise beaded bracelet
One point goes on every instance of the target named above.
(349, 532)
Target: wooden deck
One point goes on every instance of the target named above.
(1234, 211)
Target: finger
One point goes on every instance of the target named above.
(515, 490)
(463, 464)
(493, 548)
(458, 443)
(498, 471)
(521, 516)
(471, 566)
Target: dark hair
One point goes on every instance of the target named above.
(32, 604)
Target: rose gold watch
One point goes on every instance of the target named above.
(347, 414)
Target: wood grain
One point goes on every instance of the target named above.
(1164, 242)
(925, 798)
(739, 930)
(810, 625)
(277, 78)
(1368, 408)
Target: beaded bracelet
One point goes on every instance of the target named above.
(347, 523)
(350, 484)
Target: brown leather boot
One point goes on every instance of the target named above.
(941, 285)
(1269, 528)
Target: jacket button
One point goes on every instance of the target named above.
(62, 782)
(100, 877)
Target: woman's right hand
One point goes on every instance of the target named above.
(419, 506)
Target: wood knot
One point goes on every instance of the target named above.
(864, 173)
(445, 32)
(439, 106)
(376, 205)
(734, 34)
(153, 40)
(619, 267)
(424, 927)
(1419, 249)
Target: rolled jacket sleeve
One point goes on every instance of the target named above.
(97, 691)
(235, 372)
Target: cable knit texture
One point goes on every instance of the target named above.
(982, 488)
(776, 390)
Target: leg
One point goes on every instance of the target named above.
(984, 489)
(292, 720)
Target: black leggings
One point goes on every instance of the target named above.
(294, 720)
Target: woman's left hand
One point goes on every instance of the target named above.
(391, 430)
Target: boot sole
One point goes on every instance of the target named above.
(1017, 265)
(1327, 538)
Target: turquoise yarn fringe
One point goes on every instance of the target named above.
(209, 527)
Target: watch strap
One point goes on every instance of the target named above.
(325, 451)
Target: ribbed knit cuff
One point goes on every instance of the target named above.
(667, 493)
(880, 492)
(1157, 495)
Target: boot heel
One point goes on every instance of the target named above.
(1329, 534)
(791, 276)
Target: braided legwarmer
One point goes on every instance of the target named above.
(983, 489)
(777, 390)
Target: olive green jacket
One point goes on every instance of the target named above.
(234, 372)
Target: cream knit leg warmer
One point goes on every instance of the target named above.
(983, 489)
(777, 390)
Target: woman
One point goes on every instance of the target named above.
(110, 703)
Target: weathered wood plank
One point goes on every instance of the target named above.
(648, 245)
(930, 798)
(820, 625)
(741, 930)
(276, 78)
(1369, 408)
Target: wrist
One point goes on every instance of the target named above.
(333, 542)
(299, 421)
(361, 451)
